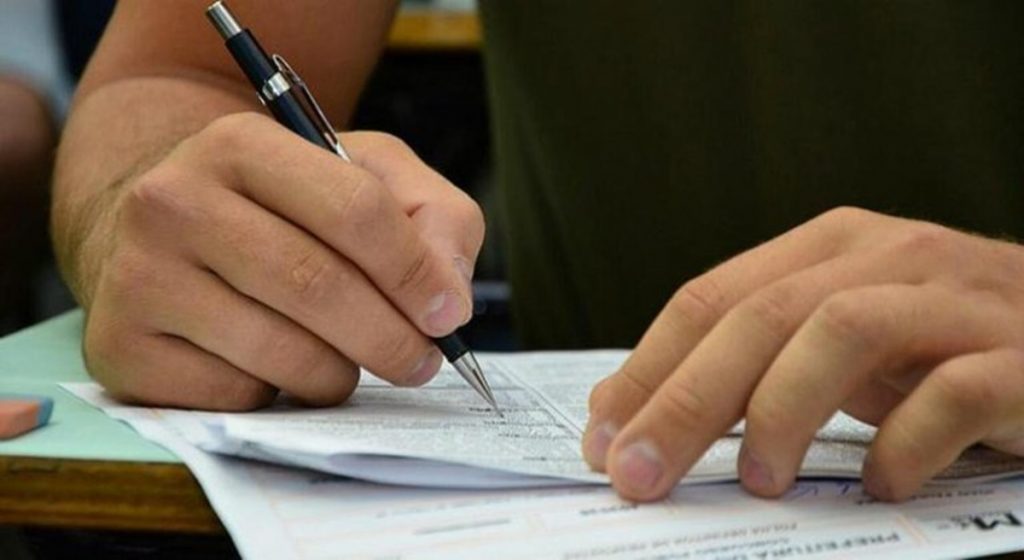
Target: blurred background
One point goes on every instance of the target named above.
(428, 89)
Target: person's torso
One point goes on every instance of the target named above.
(640, 143)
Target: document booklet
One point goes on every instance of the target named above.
(442, 435)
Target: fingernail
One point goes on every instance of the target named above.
(640, 467)
(425, 370)
(444, 313)
(598, 441)
(755, 473)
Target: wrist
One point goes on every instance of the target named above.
(83, 234)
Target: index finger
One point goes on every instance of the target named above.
(349, 209)
(695, 309)
(447, 218)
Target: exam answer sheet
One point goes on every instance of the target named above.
(443, 435)
(471, 484)
(278, 513)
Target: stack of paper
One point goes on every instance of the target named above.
(439, 436)
(442, 435)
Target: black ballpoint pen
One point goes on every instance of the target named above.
(288, 98)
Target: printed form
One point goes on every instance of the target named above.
(441, 435)
(278, 513)
(518, 488)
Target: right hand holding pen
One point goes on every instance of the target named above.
(250, 261)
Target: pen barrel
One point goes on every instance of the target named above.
(251, 58)
(276, 84)
(292, 114)
(451, 346)
(259, 68)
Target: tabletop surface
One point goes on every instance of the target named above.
(84, 469)
(35, 361)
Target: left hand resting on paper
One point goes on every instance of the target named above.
(907, 325)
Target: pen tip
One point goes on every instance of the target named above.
(470, 370)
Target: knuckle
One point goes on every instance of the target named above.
(844, 316)
(465, 213)
(927, 241)
(767, 418)
(469, 213)
(638, 382)
(845, 216)
(966, 394)
(905, 452)
(840, 224)
(384, 141)
(699, 302)
(619, 396)
(315, 278)
(415, 271)
(772, 309)
(156, 195)
(230, 132)
(358, 207)
(683, 406)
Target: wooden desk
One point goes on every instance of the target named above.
(107, 495)
(85, 470)
(431, 30)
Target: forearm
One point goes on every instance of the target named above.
(115, 133)
(222, 258)
(160, 75)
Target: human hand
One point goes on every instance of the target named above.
(908, 325)
(250, 261)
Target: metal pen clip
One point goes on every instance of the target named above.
(321, 119)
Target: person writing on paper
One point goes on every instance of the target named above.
(221, 258)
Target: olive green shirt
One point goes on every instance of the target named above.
(641, 142)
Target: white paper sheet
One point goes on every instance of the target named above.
(274, 513)
(442, 435)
